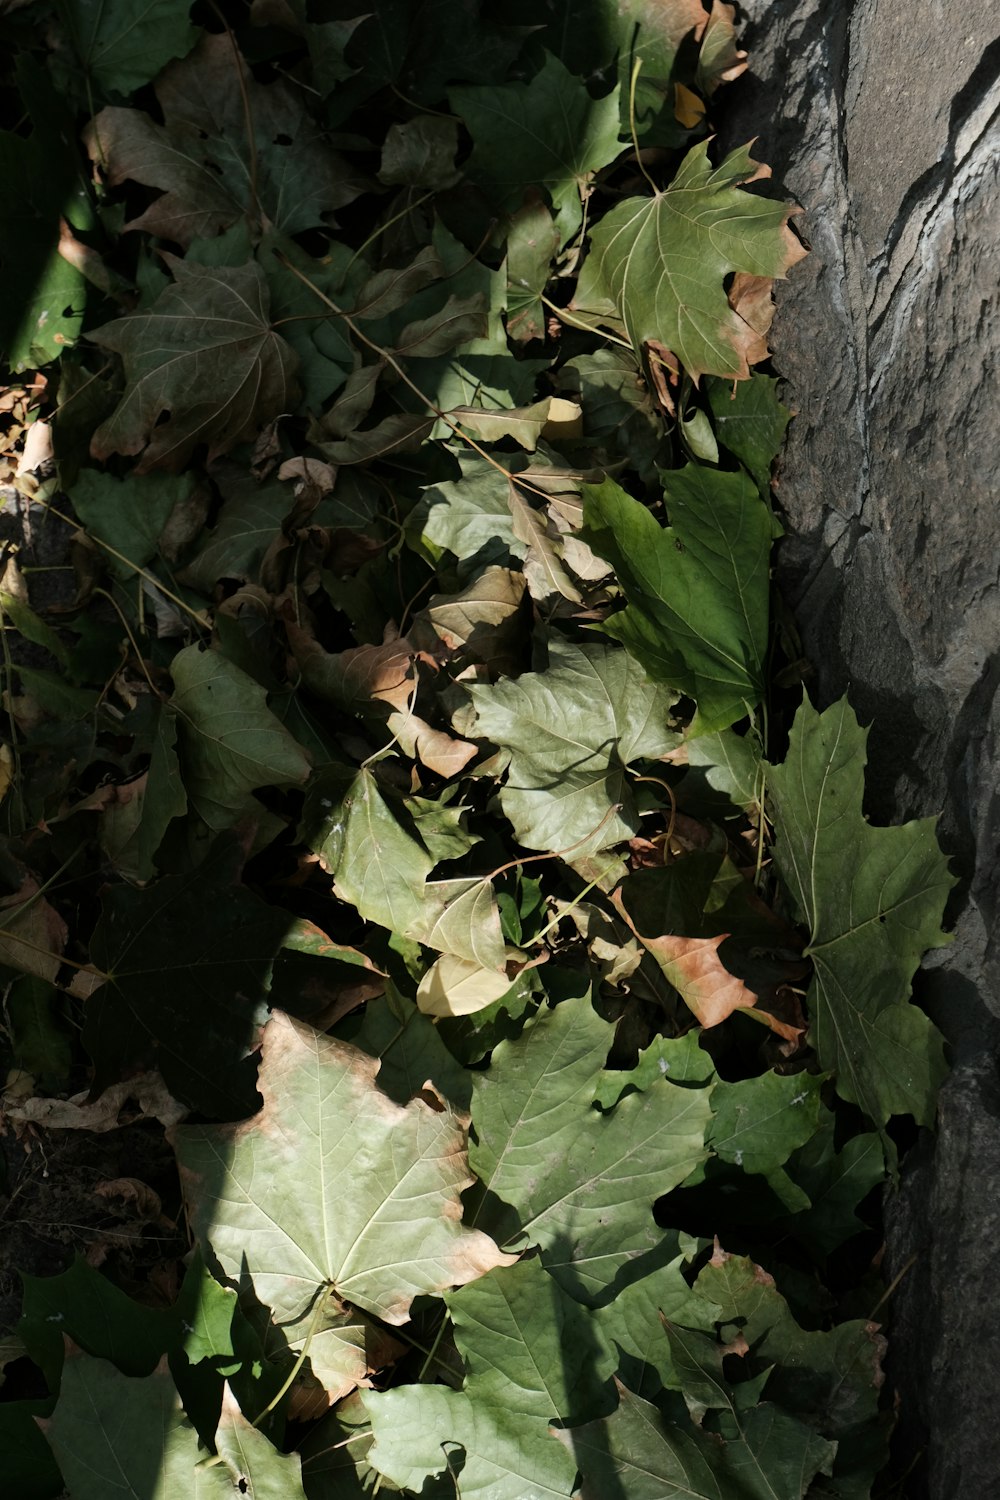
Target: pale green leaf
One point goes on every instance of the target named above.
(378, 864)
(255, 1467)
(731, 765)
(544, 569)
(462, 919)
(230, 742)
(469, 517)
(872, 899)
(116, 1438)
(522, 423)
(454, 986)
(421, 1430)
(569, 733)
(582, 1182)
(332, 1186)
(381, 849)
(697, 590)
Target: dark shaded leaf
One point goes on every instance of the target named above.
(206, 355)
(189, 956)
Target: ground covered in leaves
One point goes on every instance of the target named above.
(453, 1000)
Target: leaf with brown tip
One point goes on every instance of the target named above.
(693, 966)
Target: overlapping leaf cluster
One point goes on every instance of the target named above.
(531, 1041)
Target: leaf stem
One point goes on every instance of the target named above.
(636, 70)
(569, 906)
(432, 1353)
(565, 316)
(394, 364)
(403, 212)
(150, 578)
(287, 1383)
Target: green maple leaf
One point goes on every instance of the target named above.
(659, 264)
(249, 522)
(113, 1436)
(550, 133)
(381, 851)
(122, 44)
(759, 1122)
(582, 1182)
(205, 354)
(230, 742)
(423, 1430)
(697, 589)
(830, 1378)
(872, 899)
(633, 1324)
(531, 1354)
(750, 421)
(569, 733)
(767, 1455)
(332, 1186)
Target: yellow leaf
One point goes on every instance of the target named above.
(457, 987)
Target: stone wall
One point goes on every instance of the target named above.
(882, 118)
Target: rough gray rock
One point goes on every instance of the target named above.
(882, 117)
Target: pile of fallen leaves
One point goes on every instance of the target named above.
(394, 813)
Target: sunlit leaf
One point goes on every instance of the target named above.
(569, 733)
(582, 1182)
(661, 263)
(872, 899)
(332, 1187)
(697, 589)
